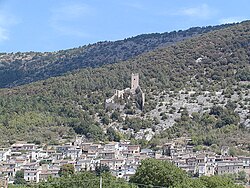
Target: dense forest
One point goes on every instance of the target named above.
(22, 68)
(74, 103)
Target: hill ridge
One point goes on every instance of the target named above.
(22, 68)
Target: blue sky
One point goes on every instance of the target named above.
(51, 25)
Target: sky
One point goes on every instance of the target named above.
(52, 25)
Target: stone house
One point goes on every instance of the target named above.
(69, 151)
(4, 182)
(47, 171)
(4, 154)
(23, 147)
(229, 167)
(31, 173)
(111, 146)
(210, 169)
(38, 154)
(133, 149)
(85, 164)
(168, 149)
(206, 169)
(147, 152)
(108, 154)
(245, 160)
(94, 148)
(8, 169)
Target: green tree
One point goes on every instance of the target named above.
(113, 135)
(154, 172)
(218, 182)
(86, 180)
(19, 177)
(99, 169)
(115, 115)
(66, 170)
(242, 176)
(105, 120)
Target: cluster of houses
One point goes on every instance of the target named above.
(39, 163)
(205, 163)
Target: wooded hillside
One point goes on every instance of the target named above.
(22, 68)
(74, 103)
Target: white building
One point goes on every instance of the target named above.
(32, 174)
(4, 154)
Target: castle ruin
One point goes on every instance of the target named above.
(134, 93)
(134, 82)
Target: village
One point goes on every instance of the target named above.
(42, 162)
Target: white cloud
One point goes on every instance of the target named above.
(231, 20)
(64, 18)
(202, 11)
(68, 12)
(3, 34)
(70, 30)
(134, 5)
(3, 25)
(6, 21)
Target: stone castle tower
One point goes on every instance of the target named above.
(138, 97)
(134, 82)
